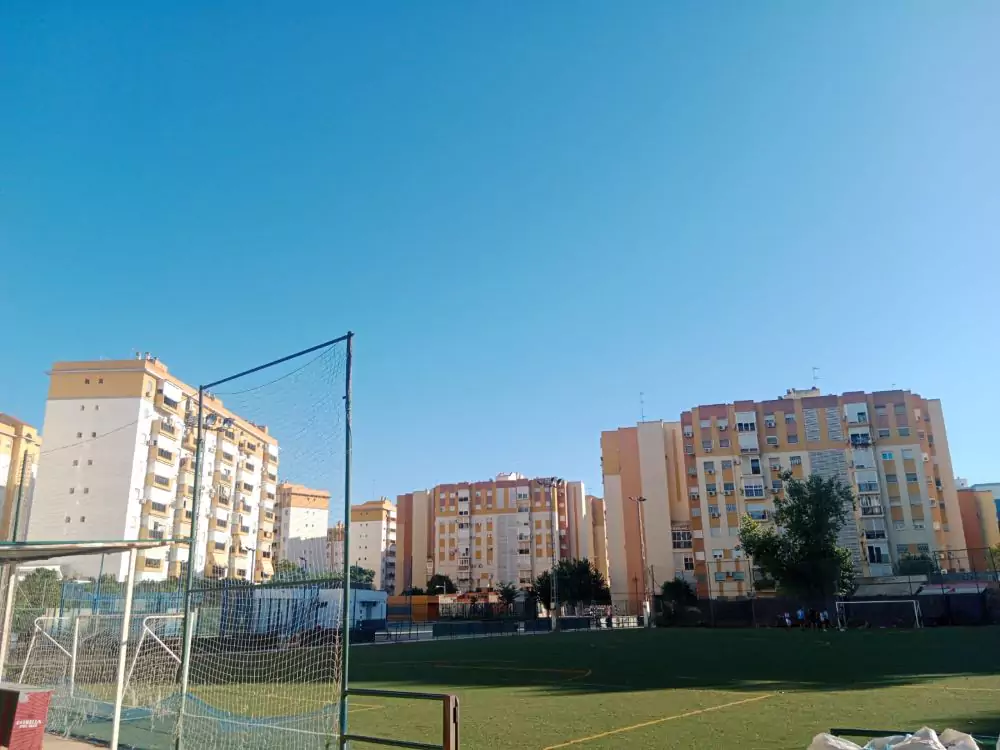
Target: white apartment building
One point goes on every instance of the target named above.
(121, 462)
(373, 541)
(301, 526)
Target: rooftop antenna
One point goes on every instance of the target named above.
(642, 407)
(815, 377)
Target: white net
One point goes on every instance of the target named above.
(879, 613)
(266, 648)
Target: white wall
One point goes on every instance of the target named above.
(107, 495)
(615, 519)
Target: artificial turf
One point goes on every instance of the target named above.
(674, 688)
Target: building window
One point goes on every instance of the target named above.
(755, 466)
(727, 465)
(887, 456)
(72, 490)
(730, 507)
(86, 381)
(67, 519)
(706, 445)
(86, 490)
(724, 442)
(161, 481)
(899, 409)
(93, 434)
(898, 525)
(881, 411)
(907, 453)
(795, 460)
(681, 539)
(753, 490)
(688, 449)
(728, 486)
(695, 512)
(911, 477)
(746, 426)
(772, 439)
(688, 563)
(923, 549)
(904, 431)
(715, 531)
(709, 467)
(82, 407)
(79, 434)
(76, 462)
(884, 433)
(892, 479)
(776, 484)
(710, 487)
(793, 438)
(706, 424)
(100, 381)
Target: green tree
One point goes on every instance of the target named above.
(916, 565)
(362, 576)
(441, 584)
(414, 591)
(678, 591)
(507, 593)
(41, 588)
(579, 581)
(803, 558)
(286, 569)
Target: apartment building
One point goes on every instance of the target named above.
(598, 533)
(481, 534)
(699, 476)
(20, 444)
(373, 541)
(300, 526)
(121, 465)
(981, 528)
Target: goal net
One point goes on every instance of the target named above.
(261, 666)
(879, 613)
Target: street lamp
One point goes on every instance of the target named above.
(639, 500)
(551, 483)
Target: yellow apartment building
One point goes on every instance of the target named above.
(700, 475)
(482, 534)
(20, 444)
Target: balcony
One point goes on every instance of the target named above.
(872, 510)
(157, 509)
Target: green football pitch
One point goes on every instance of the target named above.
(683, 688)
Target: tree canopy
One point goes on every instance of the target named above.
(441, 584)
(803, 557)
(507, 593)
(916, 565)
(679, 591)
(579, 581)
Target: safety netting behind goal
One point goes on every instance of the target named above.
(265, 613)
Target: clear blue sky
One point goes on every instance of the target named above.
(528, 212)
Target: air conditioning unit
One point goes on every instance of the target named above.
(708, 450)
(727, 493)
(711, 493)
(709, 471)
(723, 428)
(714, 514)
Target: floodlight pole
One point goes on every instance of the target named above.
(192, 541)
(345, 610)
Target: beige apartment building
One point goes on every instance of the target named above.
(121, 465)
(697, 477)
(373, 541)
(482, 534)
(20, 444)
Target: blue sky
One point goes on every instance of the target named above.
(528, 212)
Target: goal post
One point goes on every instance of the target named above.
(879, 613)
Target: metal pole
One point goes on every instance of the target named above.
(642, 549)
(345, 612)
(133, 556)
(192, 541)
(72, 658)
(555, 564)
(20, 494)
(97, 589)
(8, 615)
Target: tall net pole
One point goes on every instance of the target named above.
(189, 583)
(345, 614)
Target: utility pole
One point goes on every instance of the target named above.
(552, 483)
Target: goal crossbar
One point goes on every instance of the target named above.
(841, 608)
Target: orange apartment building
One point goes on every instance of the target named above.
(504, 530)
(982, 530)
(699, 476)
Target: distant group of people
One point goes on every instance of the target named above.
(811, 619)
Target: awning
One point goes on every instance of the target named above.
(20, 552)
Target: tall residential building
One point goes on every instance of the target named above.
(481, 534)
(20, 444)
(300, 526)
(599, 534)
(120, 465)
(994, 489)
(373, 541)
(982, 531)
(700, 475)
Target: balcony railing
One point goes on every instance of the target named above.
(872, 510)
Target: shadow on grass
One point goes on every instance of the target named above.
(732, 660)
